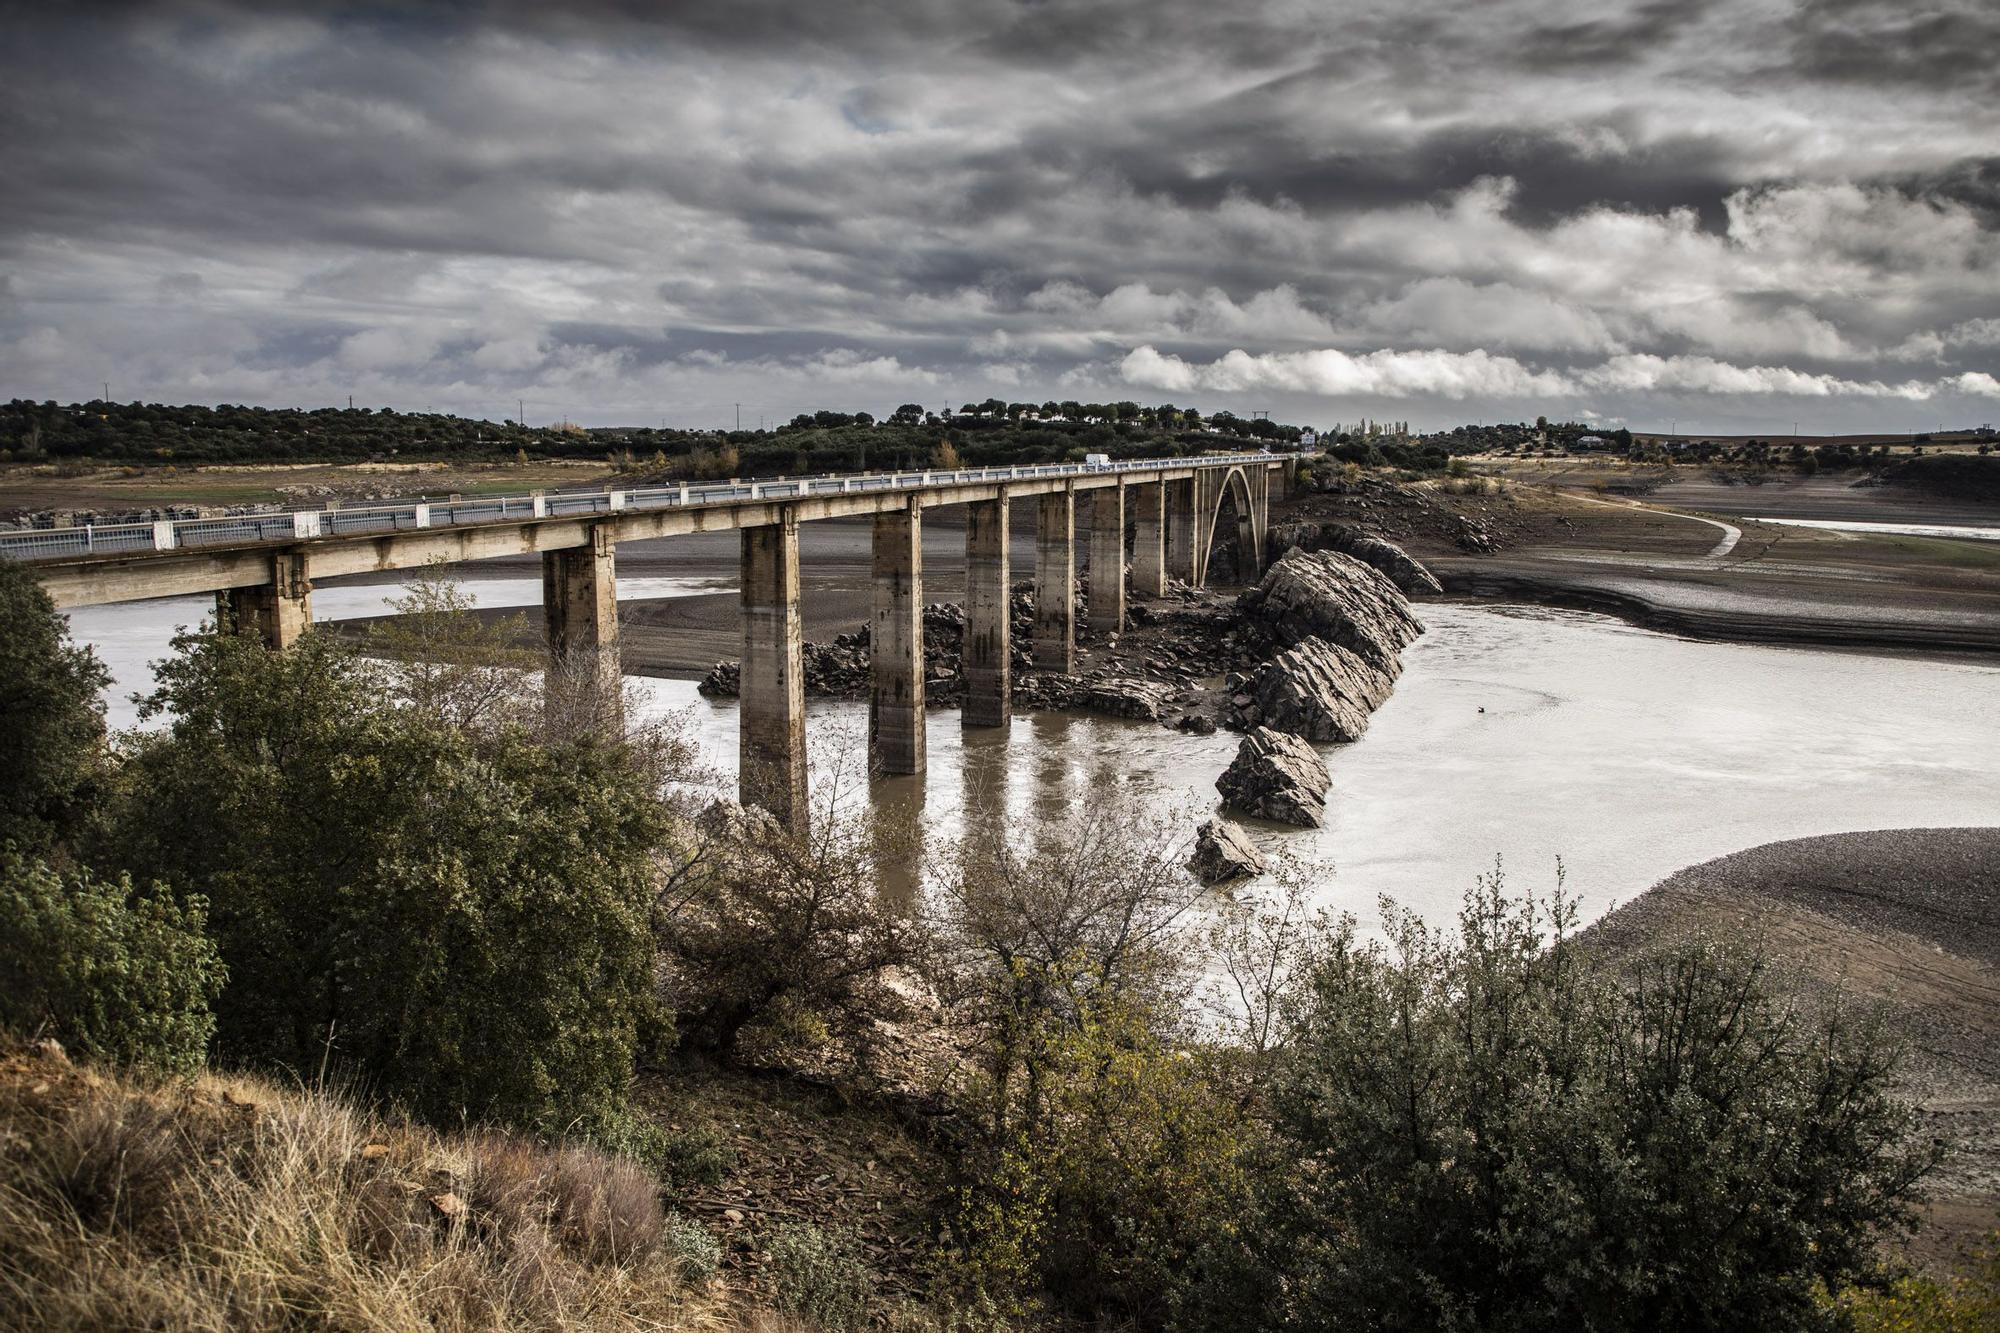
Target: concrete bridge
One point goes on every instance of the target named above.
(262, 568)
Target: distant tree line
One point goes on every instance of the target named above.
(156, 434)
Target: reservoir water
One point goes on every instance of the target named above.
(1520, 732)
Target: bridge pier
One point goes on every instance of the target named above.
(277, 612)
(1149, 552)
(772, 695)
(1107, 560)
(896, 645)
(580, 611)
(1055, 582)
(986, 658)
(1183, 531)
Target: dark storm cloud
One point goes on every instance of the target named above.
(1601, 42)
(618, 206)
(1891, 44)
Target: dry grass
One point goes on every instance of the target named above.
(230, 1204)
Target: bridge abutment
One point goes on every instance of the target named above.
(896, 645)
(986, 657)
(1107, 560)
(772, 694)
(1055, 582)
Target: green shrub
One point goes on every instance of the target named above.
(51, 743)
(113, 972)
(692, 1248)
(458, 916)
(685, 1159)
(818, 1277)
(1494, 1132)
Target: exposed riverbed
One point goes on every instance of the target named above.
(1626, 752)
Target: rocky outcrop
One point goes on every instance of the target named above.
(1125, 696)
(1403, 569)
(1223, 853)
(1338, 598)
(1317, 690)
(1278, 777)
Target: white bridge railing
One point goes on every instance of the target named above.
(302, 525)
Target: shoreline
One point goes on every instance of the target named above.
(1900, 637)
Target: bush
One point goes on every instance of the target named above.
(762, 929)
(113, 972)
(51, 743)
(691, 1248)
(1491, 1132)
(459, 915)
(683, 1159)
(818, 1277)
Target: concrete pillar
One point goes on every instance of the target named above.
(277, 612)
(896, 644)
(1181, 530)
(986, 657)
(772, 713)
(1055, 582)
(1149, 552)
(1107, 560)
(580, 610)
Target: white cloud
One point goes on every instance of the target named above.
(1330, 373)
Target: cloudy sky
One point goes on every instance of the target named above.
(1732, 216)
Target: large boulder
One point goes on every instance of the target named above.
(1317, 690)
(1336, 597)
(1278, 777)
(1223, 853)
(1126, 696)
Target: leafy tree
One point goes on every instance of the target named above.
(1493, 1132)
(51, 747)
(113, 972)
(462, 914)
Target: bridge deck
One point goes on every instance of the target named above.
(83, 566)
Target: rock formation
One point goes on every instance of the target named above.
(1403, 569)
(1318, 690)
(1278, 777)
(1336, 597)
(1223, 853)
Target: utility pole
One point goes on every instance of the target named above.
(107, 391)
(739, 416)
(520, 411)
(350, 402)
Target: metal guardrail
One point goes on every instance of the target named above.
(304, 525)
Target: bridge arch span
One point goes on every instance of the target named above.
(1233, 484)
